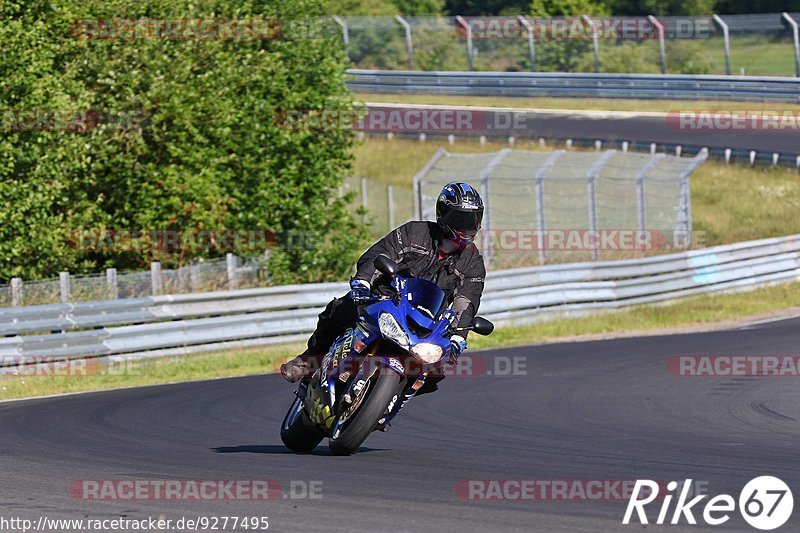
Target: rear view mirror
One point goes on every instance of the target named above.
(481, 326)
(385, 265)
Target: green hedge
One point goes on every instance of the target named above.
(205, 149)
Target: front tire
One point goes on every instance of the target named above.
(372, 409)
(297, 432)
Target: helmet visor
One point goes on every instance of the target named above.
(468, 222)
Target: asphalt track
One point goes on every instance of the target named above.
(613, 127)
(593, 410)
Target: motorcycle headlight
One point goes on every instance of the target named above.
(428, 352)
(391, 330)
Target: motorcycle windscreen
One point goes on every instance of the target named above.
(425, 296)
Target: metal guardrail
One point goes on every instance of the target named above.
(647, 86)
(154, 325)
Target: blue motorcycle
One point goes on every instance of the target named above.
(373, 368)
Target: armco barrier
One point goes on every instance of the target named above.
(558, 84)
(155, 325)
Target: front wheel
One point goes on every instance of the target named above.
(297, 432)
(361, 423)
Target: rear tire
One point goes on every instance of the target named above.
(372, 409)
(297, 432)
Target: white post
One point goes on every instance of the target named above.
(796, 39)
(111, 283)
(364, 192)
(660, 30)
(595, 42)
(409, 43)
(726, 39)
(155, 278)
(231, 265)
(468, 29)
(16, 292)
(531, 49)
(390, 201)
(194, 276)
(66, 290)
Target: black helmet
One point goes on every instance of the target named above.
(459, 211)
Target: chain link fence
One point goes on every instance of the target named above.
(759, 44)
(387, 205)
(548, 207)
(230, 272)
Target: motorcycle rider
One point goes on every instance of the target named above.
(442, 252)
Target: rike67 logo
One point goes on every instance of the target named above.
(765, 503)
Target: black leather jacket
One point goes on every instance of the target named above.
(415, 248)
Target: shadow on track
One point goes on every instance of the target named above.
(279, 449)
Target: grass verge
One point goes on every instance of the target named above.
(730, 203)
(591, 104)
(695, 313)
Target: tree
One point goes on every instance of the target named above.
(210, 153)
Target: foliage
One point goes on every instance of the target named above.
(208, 152)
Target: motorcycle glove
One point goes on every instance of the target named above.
(457, 345)
(360, 290)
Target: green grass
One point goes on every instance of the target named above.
(209, 365)
(689, 312)
(730, 203)
(591, 104)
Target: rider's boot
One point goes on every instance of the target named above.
(300, 367)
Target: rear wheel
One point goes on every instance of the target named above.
(297, 432)
(372, 408)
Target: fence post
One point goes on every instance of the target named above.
(796, 39)
(419, 209)
(194, 276)
(64, 284)
(640, 203)
(231, 264)
(531, 48)
(390, 200)
(345, 34)
(660, 30)
(155, 278)
(111, 283)
(468, 29)
(538, 181)
(364, 192)
(592, 185)
(409, 42)
(726, 41)
(595, 42)
(484, 178)
(16, 292)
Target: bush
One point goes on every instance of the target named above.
(208, 154)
